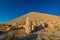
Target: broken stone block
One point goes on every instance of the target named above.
(50, 25)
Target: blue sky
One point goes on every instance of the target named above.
(11, 9)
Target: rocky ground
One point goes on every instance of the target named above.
(50, 32)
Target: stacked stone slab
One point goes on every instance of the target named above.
(28, 27)
(33, 27)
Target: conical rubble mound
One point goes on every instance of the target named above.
(34, 16)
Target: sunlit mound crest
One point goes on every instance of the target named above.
(35, 17)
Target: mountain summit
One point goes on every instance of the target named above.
(35, 16)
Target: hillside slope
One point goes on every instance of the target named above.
(35, 16)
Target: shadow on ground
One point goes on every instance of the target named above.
(29, 37)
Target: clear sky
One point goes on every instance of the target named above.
(11, 9)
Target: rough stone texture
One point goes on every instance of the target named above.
(28, 26)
